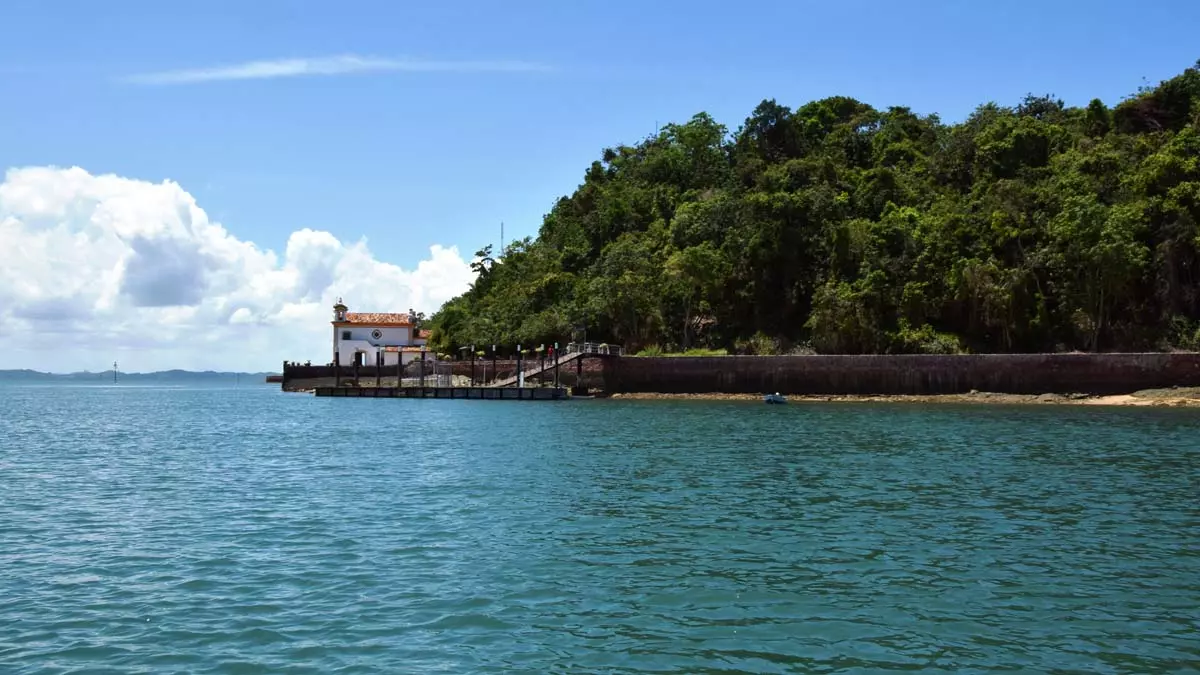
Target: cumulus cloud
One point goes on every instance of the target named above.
(347, 64)
(97, 268)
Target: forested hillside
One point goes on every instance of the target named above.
(844, 229)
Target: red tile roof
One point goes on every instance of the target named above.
(376, 319)
(407, 348)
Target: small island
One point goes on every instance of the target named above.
(1039, 253)
(839, 228)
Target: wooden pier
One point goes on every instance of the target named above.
(485, 393)
(521, 378)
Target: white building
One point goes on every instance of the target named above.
(359, 336)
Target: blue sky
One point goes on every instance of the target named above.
(411, 159)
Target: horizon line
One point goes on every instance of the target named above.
(139, 372)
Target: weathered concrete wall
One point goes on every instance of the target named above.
(907, 374)
(833, 374)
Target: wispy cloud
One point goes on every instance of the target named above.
(329, 65)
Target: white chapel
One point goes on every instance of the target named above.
(359, 336)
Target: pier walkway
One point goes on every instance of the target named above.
(573, 354)
(485, 393)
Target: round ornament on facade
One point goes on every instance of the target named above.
(376, 333)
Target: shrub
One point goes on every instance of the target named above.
(1185, 335)
(702, 351)
(760, 344)
(924, 340)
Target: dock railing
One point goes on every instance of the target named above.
(594, 348)
(446, 373)
(535, 369)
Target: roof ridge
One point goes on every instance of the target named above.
(378, 317)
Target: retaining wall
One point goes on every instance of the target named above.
(834, 374)
(903, 374)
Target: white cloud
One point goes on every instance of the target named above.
(97, 268)
(329, 65)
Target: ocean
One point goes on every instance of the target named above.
(244, 530)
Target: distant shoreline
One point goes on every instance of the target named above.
(1172, 398)
(26, 375)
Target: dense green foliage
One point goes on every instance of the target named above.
(845, 229)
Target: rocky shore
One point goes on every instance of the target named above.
(1175, 397)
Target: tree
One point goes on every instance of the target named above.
(696, 273)
(1031, 227)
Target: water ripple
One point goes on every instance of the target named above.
(246, 531)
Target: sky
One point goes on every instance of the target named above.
(192, 184)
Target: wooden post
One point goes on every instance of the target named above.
(556, 365)
(542, 370)
(400, 368)
(422, 371)
(356, 359)
(495, 372)
(472, 365)
(337, 369)
(378, 368)
(520, 380)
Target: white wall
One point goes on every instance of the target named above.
(390, 335)
(348, 348)
(361, 339)
(389, 358)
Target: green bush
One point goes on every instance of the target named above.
(924, 340)
(759, 344)
(656, 350)
(701, 351)
(1185, 334)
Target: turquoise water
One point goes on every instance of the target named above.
(245, 530)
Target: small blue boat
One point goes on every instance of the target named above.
(775, 398)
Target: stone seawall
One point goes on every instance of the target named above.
(1097, 374)
(1094, 374)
